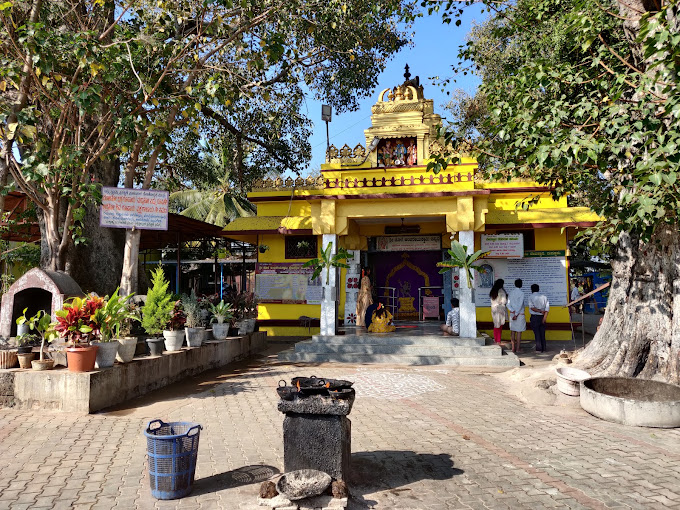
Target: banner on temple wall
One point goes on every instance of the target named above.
(144, 209)
(408, 243)
(506, 246)
(548, 269)
(287, 283)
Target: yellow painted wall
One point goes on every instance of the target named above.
(277, 253)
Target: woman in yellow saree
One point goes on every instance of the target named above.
(382, 321)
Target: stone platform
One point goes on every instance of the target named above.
(91, 391)
(411, 344)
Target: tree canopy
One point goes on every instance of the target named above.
(90, 83)
(583, 96)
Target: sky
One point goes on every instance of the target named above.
(433, 53)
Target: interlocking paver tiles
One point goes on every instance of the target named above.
(422, 438)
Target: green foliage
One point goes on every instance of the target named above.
(221, 312)
(460, 259)
(575, 103)
(114, 315)
(192, 309)
(215, 199)
(40, 323)
(121, 81)
(159, 306)
(326, 261)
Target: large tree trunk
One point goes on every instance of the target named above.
(128, 281)
(640, 333)
(96, 265)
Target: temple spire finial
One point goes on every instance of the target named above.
(407, 75)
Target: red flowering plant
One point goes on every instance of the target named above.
(178, 317)
(78, 321)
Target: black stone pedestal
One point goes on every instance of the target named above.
(317, 441)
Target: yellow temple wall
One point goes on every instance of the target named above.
(547, 239)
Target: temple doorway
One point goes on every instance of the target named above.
(408, 283)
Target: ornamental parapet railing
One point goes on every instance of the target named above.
(320, 182)
(346, 154)
(389, 182)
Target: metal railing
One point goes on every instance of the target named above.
(420, 300)
(389, 300)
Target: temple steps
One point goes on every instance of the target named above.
(409, 350)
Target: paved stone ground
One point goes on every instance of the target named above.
(422, 438)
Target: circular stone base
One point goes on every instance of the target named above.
(637, 402)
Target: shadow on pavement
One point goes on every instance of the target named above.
(245, 475)
(388, 470)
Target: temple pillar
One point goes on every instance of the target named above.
(468, 310)
(329, 304)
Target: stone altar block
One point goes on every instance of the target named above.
(317, 435)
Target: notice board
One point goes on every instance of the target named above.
(546, 268)
(287, 283)
(144, 209)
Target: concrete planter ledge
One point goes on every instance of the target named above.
(91, 391)
(637, 402)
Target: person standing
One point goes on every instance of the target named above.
(538, 308)
(499, 299)
(575, 294)
(365, 297)
(518, 322)
(452, 326)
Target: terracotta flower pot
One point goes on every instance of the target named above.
(25, 359)
(126, 349)
(46, 364)
(81, 359)
(8, 359)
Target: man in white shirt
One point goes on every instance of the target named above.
(452, 326)
(538, 308)
(575, 294)
(518, 322)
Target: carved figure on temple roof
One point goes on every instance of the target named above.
(412, 154)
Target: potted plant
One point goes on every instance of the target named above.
(41, 323)
(174, 334)
(109, 318)
(245, 305)
(22, 324)
(221, 312)
(194, 320)
(75, 324)
(8, 355)
(128, 342)
(460, 259)
(157, 311)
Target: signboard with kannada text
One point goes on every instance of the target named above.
(408, 243)
(280, 282)
(144, 209)
(507, 246)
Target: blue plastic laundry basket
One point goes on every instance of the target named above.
(172, 450)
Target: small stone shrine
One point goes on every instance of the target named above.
(316, 436)
(36, 290)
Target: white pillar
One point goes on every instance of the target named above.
(351, 283)
(468, 311)
(329, 305)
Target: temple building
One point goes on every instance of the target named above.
(380, 203)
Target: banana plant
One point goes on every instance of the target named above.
(460, 259)
(326, 261)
